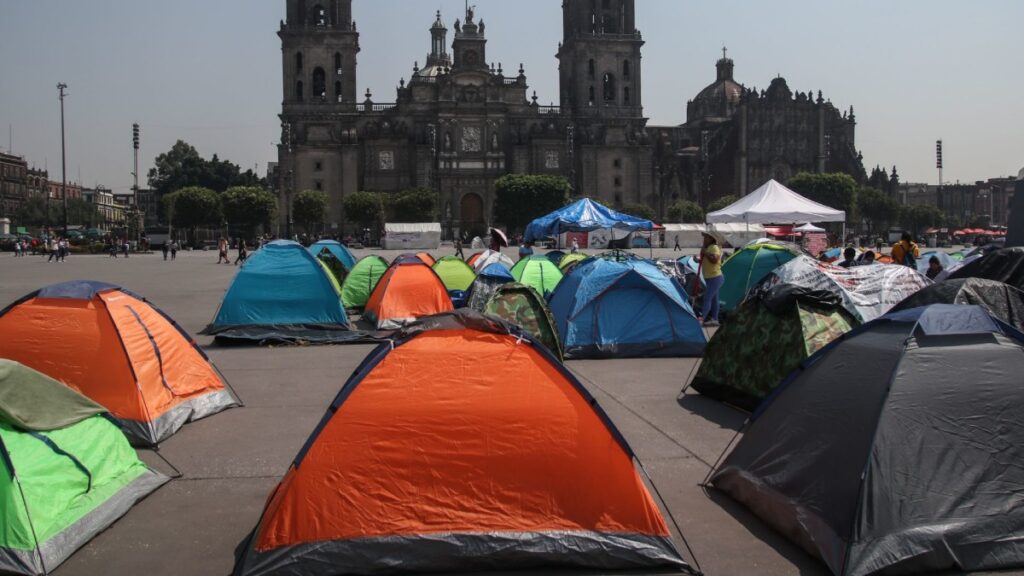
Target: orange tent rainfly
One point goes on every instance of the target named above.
(464, 446)
(408, 290)
(119, 350)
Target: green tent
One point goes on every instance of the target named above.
(787, 325)
(538, 273)
(66, 471)
(746, 268)
(570, 260)
(524, 307)
(456, 274)
(361, 281)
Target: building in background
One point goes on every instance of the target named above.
(13, 184)
(111, 214)
(56, 190)
(984, 204)
(38, 182)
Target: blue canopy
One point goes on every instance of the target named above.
(282, 285)
(608, 309)
(584, 216)
(338, 249)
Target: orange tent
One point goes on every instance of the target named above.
(465, 446)
(408, 290)
(473, 259)
(427, 258)
(119, 350)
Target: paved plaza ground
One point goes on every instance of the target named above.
(230, 462)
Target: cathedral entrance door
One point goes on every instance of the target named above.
(472, 216)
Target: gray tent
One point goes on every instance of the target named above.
(1001, 300)
(897, 449)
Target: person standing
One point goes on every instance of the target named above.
(126, 247)
(711, 267)
(242, 252)
(575, 245)
(17, 249)
(458, 248)
(166, 249)
(222, 251)
(906, 252)
(174, 250)
(677, 248)
(51, 247)
(63, 247)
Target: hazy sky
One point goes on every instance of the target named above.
(209, 71)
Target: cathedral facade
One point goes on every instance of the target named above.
(462, 121)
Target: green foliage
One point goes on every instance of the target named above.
(836, 190)
(918, 218)
(183, 167)
(686, 212)
(519, 199)
(640, 211)
(412, 206)
(878, 208)
(248, 207)
(32, 213)
(722, 203)
(363, 208)
(194, 207)
(309, 209)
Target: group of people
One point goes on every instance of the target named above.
(222, 251)
(118, 246)
(58, 249)
(21, 248)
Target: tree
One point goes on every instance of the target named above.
(248, 207)
(182, 167)
(193, 207)
(411, 206)
(309, 208)
(81, 213)
(363, 208)
(722, 203)
(32, 212)
(877, 208)
(836, 190)
(520, 199)
(640, 211)
(919, 218)
(686, 212)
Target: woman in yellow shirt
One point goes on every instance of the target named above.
(711, 267)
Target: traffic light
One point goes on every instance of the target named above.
(135, 136)
(938, 154)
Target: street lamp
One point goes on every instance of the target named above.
(63, 158)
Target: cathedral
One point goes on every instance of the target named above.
(462, 121)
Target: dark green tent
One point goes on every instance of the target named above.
(66, 471)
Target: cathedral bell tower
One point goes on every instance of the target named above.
(470, 44)
(600, 58)
(319, 44)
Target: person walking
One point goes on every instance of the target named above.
(51, 247)
(63, 247)
(906, 252)
(166, 249)
(17, 249)
(458, 248)
(174, 250)
(677, 248)
(711, 267)
(222, 251)
(242, 252)
(126, 247)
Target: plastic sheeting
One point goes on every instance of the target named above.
(464, 446)
(626, 309)
(491, 257)
(1006, 265)
(867, 292)
(584, 216)
(1001, 300)
(896, 449)
(486, 284)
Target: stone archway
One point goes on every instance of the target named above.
(471, 215)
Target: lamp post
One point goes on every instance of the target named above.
(63, 159)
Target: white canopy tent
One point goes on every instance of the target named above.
(690, 235)
(809, 228)
(773, 203)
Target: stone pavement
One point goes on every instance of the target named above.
(230, 462)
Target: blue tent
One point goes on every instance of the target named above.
(626, 309)
(583, 216)
(337, 249)
(282, 293)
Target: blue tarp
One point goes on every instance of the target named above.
(624, 310)
(583, 216)
(281, 285)
(338, 249)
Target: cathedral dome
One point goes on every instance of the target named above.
(779, 90)
(719, 100)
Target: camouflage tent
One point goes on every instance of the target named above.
(523, 306)
(787, 325)
(486, 284)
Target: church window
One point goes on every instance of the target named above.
(626, 69)
(590, 69)
(609, 88)
(611, 24)
(298, 91)
(337, 62)
(319, 83)
(318, 166)
(625, 95)
(618, 181)
(319, 185)
(337, 91)
(319, 15)
(298, 62)
(617, 163)
(592, 98)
